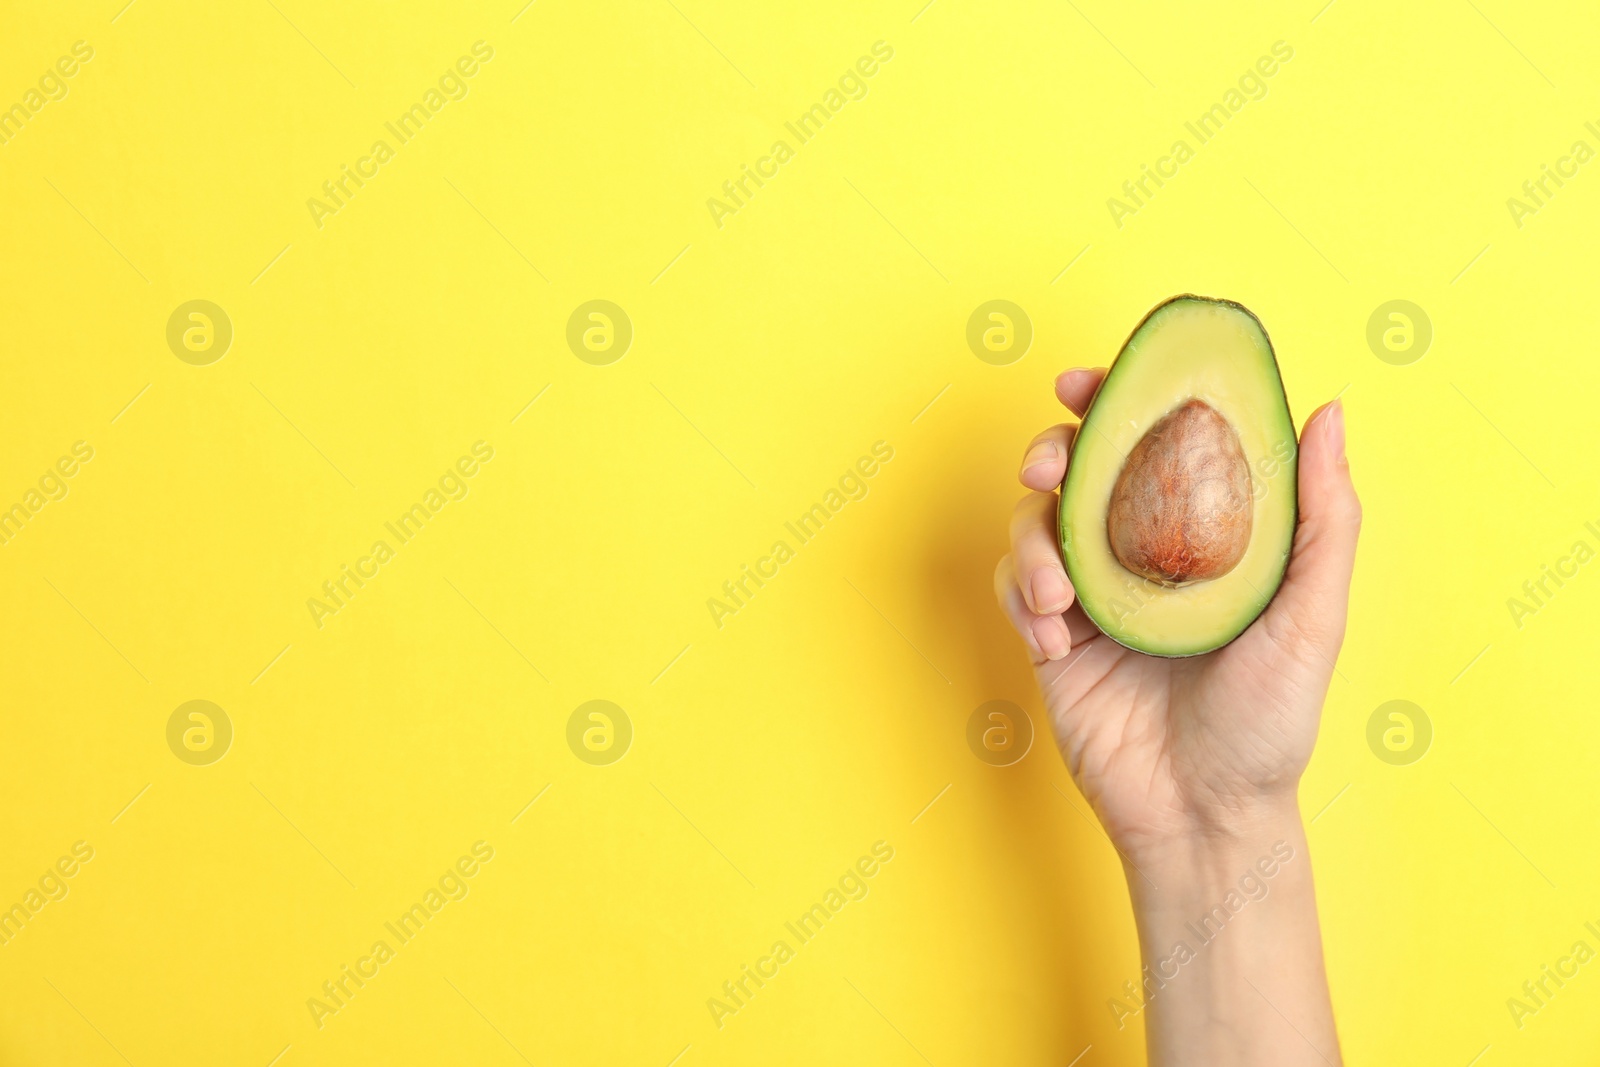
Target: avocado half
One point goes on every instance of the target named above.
(1179, 506)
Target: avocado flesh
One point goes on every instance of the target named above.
(1189, 348)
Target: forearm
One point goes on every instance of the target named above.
(1233, 970)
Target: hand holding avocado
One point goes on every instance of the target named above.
(1191, 754)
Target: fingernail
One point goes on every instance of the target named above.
(1335, 431)
(1051, 634)
(1049, 591)
(1043, 452)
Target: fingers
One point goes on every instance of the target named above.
(1047, 635)
(1031, 583)
(1076, 387)
(1037, 557)
(1316, 590)
(1044, 464)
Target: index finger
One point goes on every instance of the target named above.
(1076, 387)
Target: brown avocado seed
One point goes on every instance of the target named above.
(1181, 508)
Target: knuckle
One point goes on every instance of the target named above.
(1347, 513)
(1037, 505)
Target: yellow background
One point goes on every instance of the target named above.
(769, 355)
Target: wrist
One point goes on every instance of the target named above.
(1212, 857)
(1227, 919)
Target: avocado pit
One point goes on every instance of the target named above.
(1180, 510)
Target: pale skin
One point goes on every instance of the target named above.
(1193, 765)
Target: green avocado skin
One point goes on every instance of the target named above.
(1083, 496)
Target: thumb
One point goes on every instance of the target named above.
(1310, 607)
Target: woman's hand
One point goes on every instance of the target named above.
(1172, 749)
(1192, 766)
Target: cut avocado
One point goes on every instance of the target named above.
(1179, 506)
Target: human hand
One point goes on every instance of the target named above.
(1171, 751)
